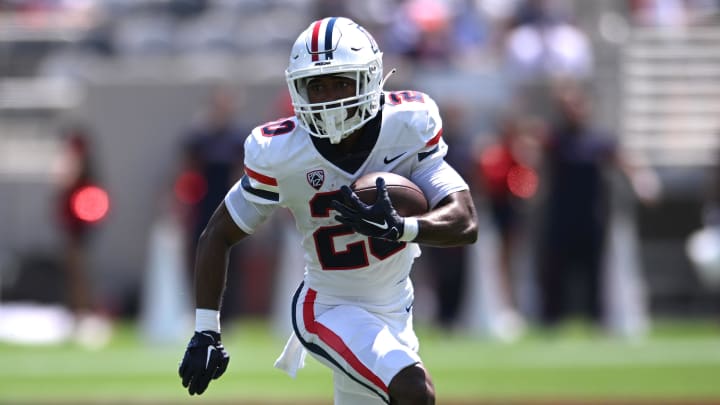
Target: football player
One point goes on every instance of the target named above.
(353, 311)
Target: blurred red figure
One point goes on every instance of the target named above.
(76, 174)
(82, 204)
(507, 176)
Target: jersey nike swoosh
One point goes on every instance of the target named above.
(384, 224)
(209, 353)
(386, 160)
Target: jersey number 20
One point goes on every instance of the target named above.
(355, 256)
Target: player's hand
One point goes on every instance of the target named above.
(205, 359)
(379, 220)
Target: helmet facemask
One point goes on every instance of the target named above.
(353, 54)
(337, 119)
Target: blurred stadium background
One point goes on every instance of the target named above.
(137, 74)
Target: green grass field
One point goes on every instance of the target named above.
(677, 363)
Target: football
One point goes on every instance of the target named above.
(406, 196)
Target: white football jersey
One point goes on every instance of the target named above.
(284, 168)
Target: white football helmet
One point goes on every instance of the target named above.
(335, 46)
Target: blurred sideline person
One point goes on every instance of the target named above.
(353, 311)
(78, 214)
(578, 157)
(506, 176)
(212, 159)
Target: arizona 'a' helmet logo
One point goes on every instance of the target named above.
(316, 178)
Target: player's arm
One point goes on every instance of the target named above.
(205, 358)
(248, 203)
(220, 234)
(452, 222)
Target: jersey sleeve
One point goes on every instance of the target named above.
(247, 215)
(256, 195)
(439, 181)
(259, 183)
(431, 172)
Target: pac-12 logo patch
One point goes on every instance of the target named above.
(316, 178)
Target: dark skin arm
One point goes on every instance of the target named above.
(211, 263)
(453, 222)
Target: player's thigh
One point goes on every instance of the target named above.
(368, 349)
(361, 346)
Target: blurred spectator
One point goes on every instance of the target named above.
(664, 13)
(506, 177)
(471, 38)
(187, 8)
(578, 155)
(422, 31)
(212, 160)
(546, 45)
(330, 7)
(82, 203)
(673, 13)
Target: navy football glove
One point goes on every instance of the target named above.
(379, 220)
(205, 359)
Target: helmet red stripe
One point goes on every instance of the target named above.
(314, 42)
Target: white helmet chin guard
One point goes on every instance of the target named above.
(335, 46)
